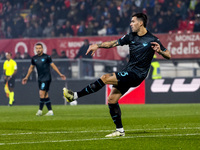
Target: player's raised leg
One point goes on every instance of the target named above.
(91, 88)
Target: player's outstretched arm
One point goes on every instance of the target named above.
(108, 44)
(63, 77)
(30, 70)
(156, 47)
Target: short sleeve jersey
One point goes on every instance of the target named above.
(9, 67)
(42, 64)
(141, 53)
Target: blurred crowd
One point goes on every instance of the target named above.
(23, 63)
(67, 18)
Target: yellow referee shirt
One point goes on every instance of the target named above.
(9, 67)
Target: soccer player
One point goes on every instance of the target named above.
(43, 62)
(10, 70)
(142, 46)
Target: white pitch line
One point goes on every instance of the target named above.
(66, 132)
(96, 139)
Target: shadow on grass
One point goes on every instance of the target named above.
(132, 133)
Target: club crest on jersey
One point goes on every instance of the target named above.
(145, 44)
(42, 59)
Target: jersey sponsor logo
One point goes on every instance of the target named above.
(42, 59)
(145, 44)
(178, 85)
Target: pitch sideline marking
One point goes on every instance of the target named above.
(64, 132)
(95, 139)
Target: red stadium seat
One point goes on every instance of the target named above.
(183, 25)
(75, 29)
(190, 26)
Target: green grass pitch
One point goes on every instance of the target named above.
(148, 127)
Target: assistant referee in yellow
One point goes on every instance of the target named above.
(155, 69)
(10, 70)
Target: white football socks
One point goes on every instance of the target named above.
(75, 95)
(120, 129)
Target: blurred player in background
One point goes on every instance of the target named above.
(142, 45)
(9, 70)
(42, 62)
(87, 69)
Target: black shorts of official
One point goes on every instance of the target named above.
(127, 80)
(44, 85)
(11, 82)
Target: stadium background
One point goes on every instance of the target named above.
(64, 24)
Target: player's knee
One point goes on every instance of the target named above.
(41, 95)
(112, 100)
(104, 78)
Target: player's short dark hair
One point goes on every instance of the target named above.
(142, 17)
(39, 44)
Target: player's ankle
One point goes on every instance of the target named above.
(75, 95)
(120, 129)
